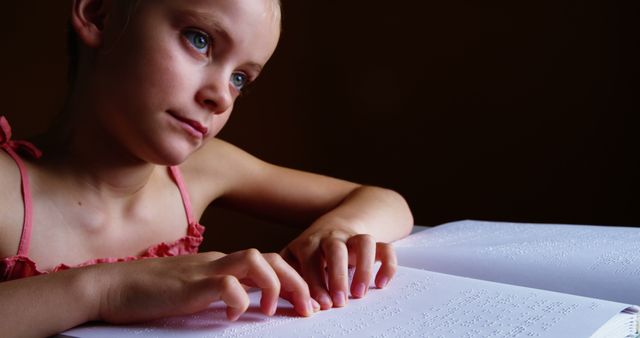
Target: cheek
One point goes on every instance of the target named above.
(157, 81)
(159, 70)
(163, 79)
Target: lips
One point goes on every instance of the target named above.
(192, 123)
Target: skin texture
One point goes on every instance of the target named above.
(154, 85)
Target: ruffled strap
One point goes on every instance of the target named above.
(11, 146)
(186, 201)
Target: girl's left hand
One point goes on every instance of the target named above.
(323, 257)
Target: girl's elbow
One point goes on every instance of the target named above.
(402, 216)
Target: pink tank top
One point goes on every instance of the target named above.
(21, 265)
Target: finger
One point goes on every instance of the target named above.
(289, 257)
(364, 247)
(312, 267)
(250, 265)
(310, 309)
(232, 294)
(389, 263)
(337, 259)
(292, 287)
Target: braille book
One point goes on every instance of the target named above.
(461, 279)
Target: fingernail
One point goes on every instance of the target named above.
(383, 282)
(233, 314)
(359, 290)
(339, 298)
(274, 307)
(325, 301)
(310, 310)
(316, 305)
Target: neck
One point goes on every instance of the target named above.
(106, 173)
(95, 160)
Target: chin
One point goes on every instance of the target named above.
(171, 155)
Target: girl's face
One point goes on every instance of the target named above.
(167, 82)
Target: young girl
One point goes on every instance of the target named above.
(136, 163)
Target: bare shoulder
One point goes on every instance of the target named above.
(11, 207)
(220, 156)
(9, 182)
(244, 182)
(216, 168)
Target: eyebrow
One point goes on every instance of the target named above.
(257, 68)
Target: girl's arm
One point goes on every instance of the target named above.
(346, 223)
(148, 289)
(44, 305)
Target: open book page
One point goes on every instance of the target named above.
(417, 303)
(593, 261)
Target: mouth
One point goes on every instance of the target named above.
(192, 126)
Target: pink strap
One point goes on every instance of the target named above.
(177, 176)
(10, 147)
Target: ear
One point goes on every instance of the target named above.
(88, 18)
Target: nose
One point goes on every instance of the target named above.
(214, 94)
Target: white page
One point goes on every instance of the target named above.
(417, 303)
(593, 261)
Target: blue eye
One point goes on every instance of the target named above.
(198, 40)
(239, 80)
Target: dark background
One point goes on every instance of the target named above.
(498, 110)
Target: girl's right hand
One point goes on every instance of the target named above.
(160, 287)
